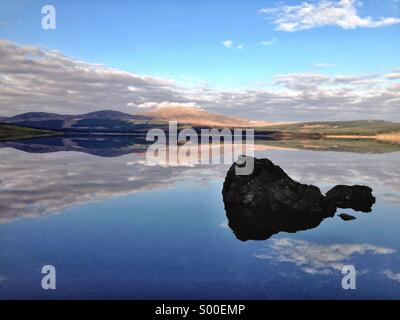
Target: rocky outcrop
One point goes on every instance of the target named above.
(346, 217)
(268, 201)
(358, 198)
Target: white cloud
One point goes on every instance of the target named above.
(392, 275)
(307, 15)
(168, 104)
(224, 224)
(36, 79)
(230, 43)
(268, 43)
(317, 258)
(310, 96)
(227, 43)
(393, 76)
(324, 65)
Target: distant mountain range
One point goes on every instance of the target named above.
(118, 122)
(115, 122)
(99, 121)
(103, 146)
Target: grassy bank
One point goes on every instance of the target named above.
(347, 129)
(10, 132)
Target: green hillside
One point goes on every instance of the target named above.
(361, 128)
(11, 132)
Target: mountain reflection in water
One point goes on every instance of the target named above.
(111, 207)
(47, 180)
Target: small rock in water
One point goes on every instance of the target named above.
(346, 217)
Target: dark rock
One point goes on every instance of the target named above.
(346, 217)
(358, 198)
(268, 201)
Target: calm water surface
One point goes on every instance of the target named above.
(116, 228)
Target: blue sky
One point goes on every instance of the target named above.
(183, 40)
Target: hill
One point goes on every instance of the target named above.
(199, 117)
(11, 132)
(115, 122)
(337, 129)
(110, 121)
(104, 121)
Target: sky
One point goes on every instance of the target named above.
(272, 60)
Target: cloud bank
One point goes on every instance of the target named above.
(37, 79)
(315, 258)
(168, 104)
